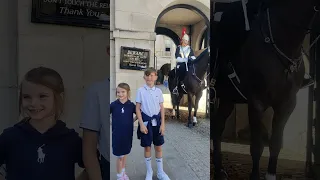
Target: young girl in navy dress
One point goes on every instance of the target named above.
(122, 111)
(41, 146)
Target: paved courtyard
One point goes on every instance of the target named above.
(186, 154)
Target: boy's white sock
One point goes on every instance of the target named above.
(159, 165)
(148, 164)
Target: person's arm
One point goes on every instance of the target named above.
(162, 114)
(192, 54)
(91, 126)
(143, 128)
(162, 127)
(90, 157)
(134, 112)
(178, 56)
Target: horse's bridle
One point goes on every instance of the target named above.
(294, 62)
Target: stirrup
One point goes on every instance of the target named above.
(175, 91)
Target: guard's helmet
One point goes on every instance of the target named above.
(185, 37)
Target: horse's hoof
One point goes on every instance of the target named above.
(194, 124)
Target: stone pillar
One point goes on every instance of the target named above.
(8, 52)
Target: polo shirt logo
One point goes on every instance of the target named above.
(122, 110)
(41, 155)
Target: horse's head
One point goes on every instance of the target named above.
(165, 69)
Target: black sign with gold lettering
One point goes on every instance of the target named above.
(134, 58)
(85, 13)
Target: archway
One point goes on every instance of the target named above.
(188, 7)
(170, 23)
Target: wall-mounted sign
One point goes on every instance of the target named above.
(85, 13)
(134, 58)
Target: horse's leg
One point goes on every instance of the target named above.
(217, 125)
(189, 109)
(255, 112)
(281, 115)
(173, 111)
(178, 104)
(174, 104)
(196, 105)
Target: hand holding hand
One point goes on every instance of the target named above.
(143, 129)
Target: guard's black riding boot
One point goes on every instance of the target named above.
(175, 90)
(307, 82)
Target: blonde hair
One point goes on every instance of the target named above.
(52, 80)
(126, 87)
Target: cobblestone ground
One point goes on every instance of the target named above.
(237, 162)
(193, 146)
(186, 153)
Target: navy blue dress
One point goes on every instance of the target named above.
(31, 155)
(122, 126)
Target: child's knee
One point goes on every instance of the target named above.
(147, 149)
(158, 148)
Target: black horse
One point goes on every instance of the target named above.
(270, 67)
(194, 85)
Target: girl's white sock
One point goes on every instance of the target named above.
(119, 175)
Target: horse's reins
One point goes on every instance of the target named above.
(195, 75)
(295, 63)
(194, 70)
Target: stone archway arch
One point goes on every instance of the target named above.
(200, 37)
(169, 33)
(185, 6)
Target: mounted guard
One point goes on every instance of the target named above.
(184, 54)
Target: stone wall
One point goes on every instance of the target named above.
(8, 68)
